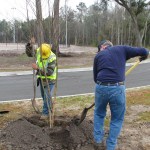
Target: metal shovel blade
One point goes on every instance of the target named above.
(84, 112)
(83, 115)
(34, 105)
(3, 112)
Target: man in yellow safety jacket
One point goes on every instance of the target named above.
(46, 68)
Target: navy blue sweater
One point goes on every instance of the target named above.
(109, 64)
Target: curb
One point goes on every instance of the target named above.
(127, 89)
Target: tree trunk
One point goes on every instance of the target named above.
(137, 33)
(129, 36)
(138, 36)
(55, 38)
(40, 35)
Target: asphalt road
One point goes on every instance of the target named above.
(69, 83)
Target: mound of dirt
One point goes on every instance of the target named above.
(34, 134)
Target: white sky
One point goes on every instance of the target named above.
(8, 12)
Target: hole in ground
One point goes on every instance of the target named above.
(65, 135)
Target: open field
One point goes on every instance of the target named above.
(22, 124)
(13, 57)
(16, 59)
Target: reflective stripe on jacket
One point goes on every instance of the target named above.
(51, 58)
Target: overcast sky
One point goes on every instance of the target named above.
(10, 9)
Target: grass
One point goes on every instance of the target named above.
(73, 106)
(16, 62)
(16, 110)
(20, 62)
(14, 59)
(142, 97)
(144, 117)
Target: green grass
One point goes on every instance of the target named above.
(23, 57)
(144, 117)
(107, 121)
(138, 97)
(73, 106)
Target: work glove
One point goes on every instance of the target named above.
(38, 81)
(29, 50)
(143, 58)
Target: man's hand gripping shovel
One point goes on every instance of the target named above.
(85, 110)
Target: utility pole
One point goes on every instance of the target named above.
(66, 22)
(14, 30)
(40, 35)
(50, 26)
(27, 11)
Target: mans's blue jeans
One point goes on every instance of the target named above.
(115, 97)
(46, 97)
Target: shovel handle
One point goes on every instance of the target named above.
(135, 65)
(90, 106)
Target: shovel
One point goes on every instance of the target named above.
(3, 112)
(85, 110)
(34, 104)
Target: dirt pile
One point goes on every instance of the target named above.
(33, 134)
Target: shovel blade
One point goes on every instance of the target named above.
(83, 115)
(35, 106)
(4, 112)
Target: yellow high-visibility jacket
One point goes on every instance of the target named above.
(49, 66)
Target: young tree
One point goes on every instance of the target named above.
(40, 36)
(55, 31)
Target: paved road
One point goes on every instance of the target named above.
(69, 83)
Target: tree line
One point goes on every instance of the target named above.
(121, 22)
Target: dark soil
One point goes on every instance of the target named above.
(31, 133)
(34, 134)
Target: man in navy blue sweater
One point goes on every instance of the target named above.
(109, 76)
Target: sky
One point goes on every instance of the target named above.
(16, 9)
